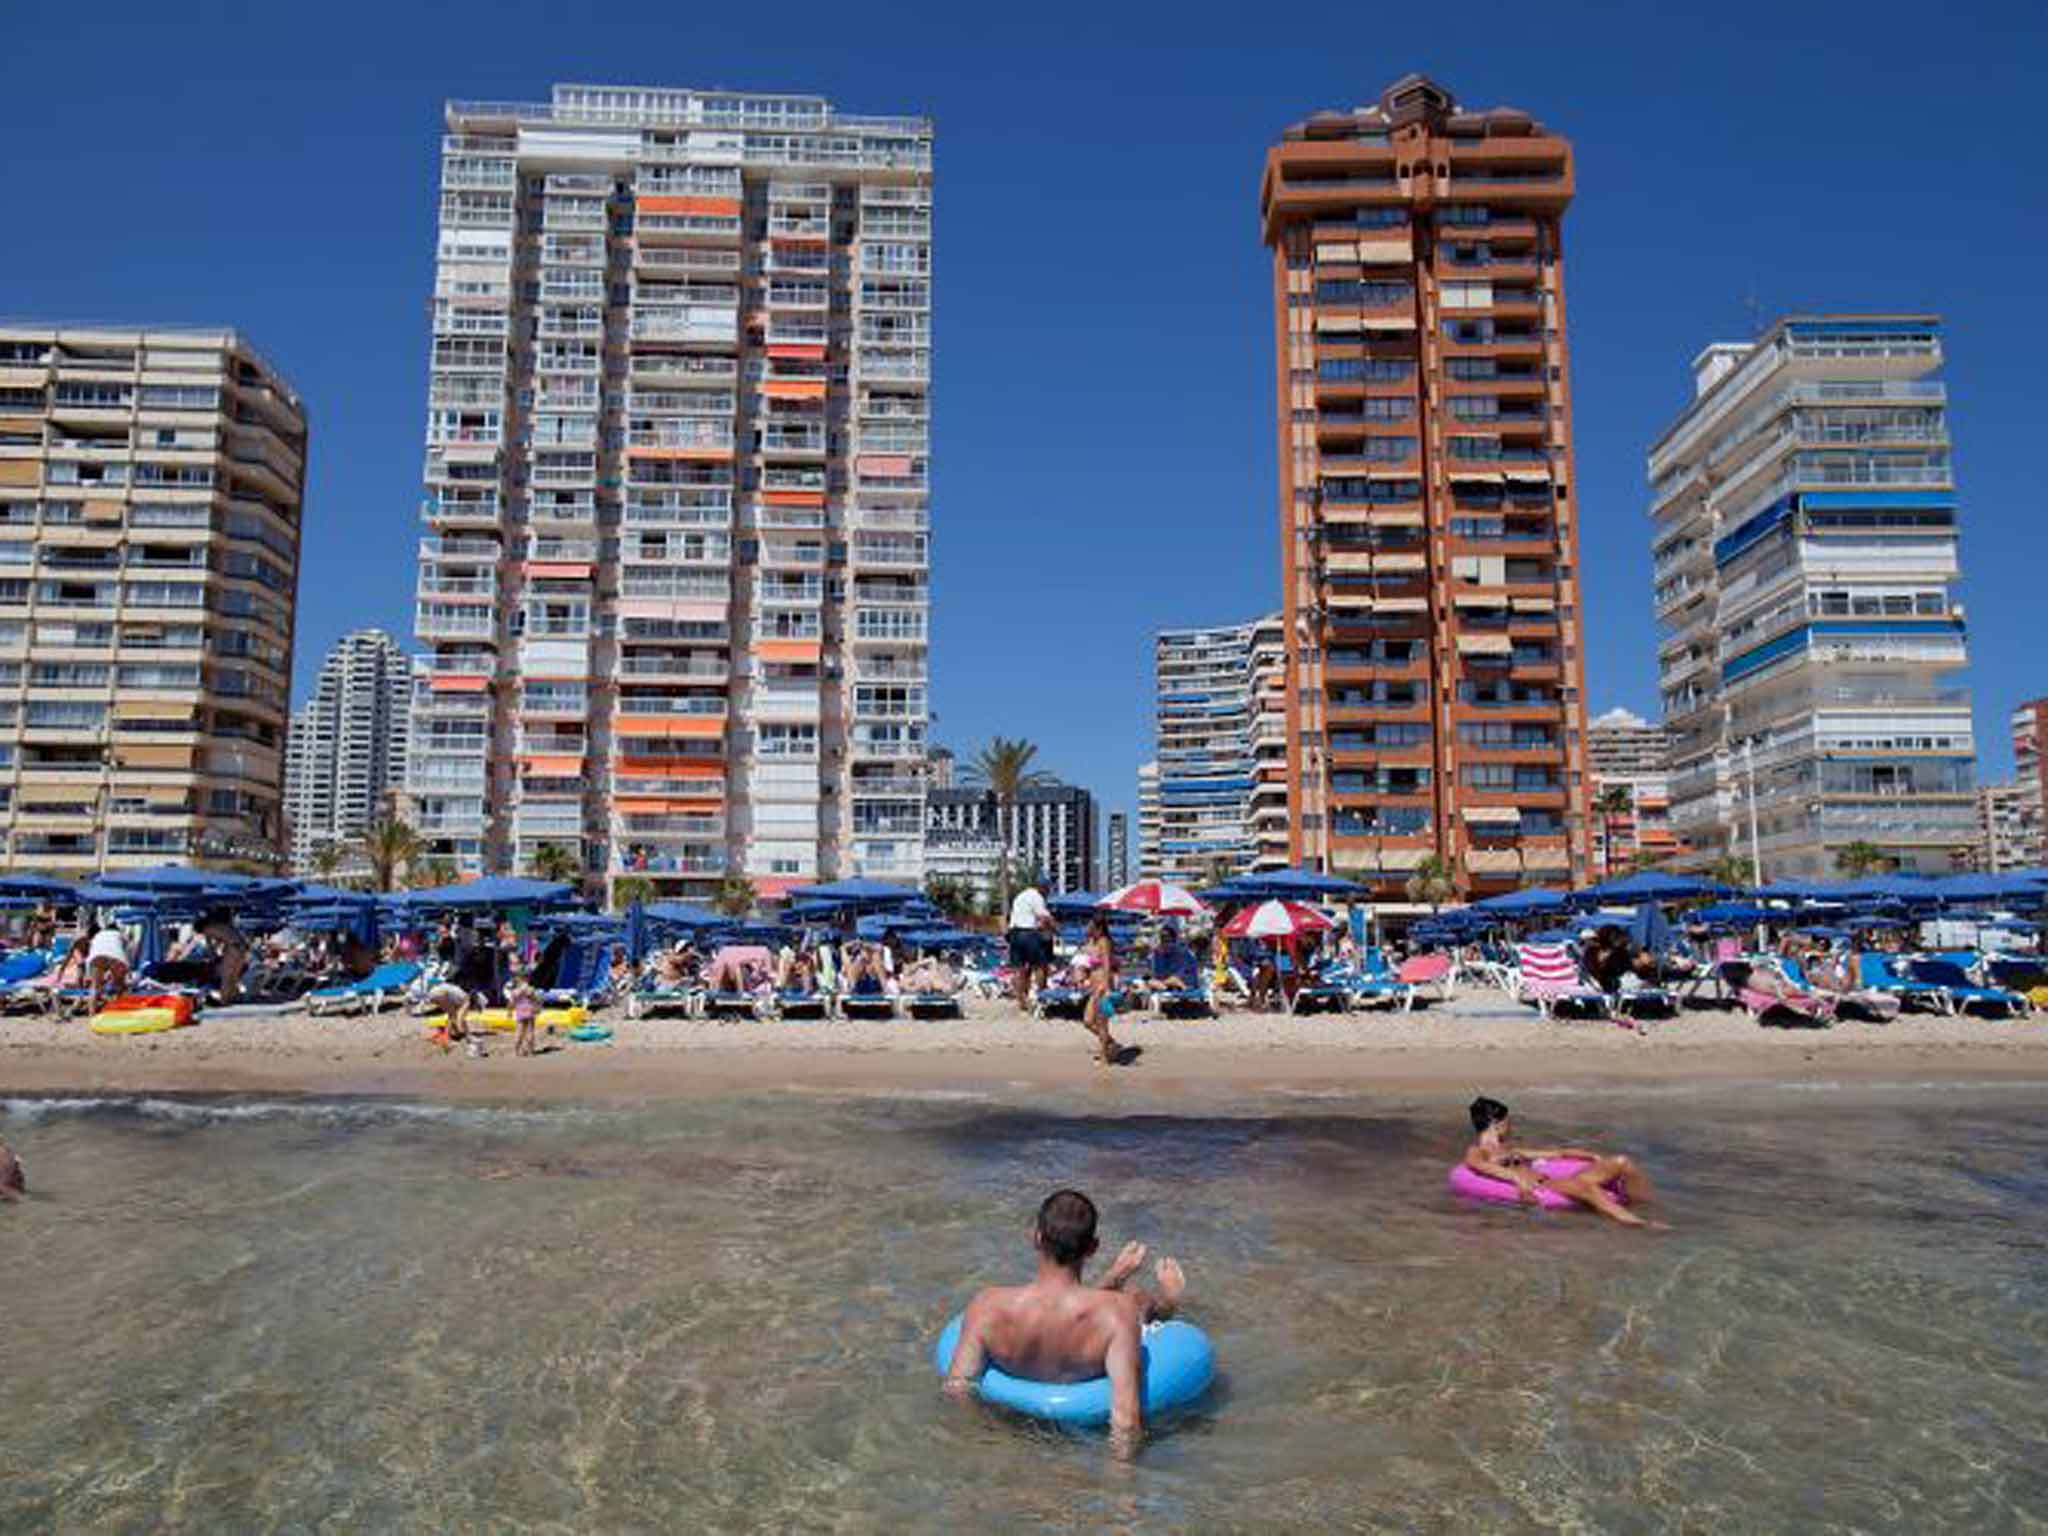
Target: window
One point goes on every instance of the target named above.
(1373, 370)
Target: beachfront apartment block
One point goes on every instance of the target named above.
(346, 752)
(2029, 756)
(1116, 873)
(1803, 554)
(1628, 766)
(1050, 831)
(1428, 506)
(1216, 690)
(675, 582)
(1148, 821)
(151, 482)
(2002, 842)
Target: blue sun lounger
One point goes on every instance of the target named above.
(1965, 996)
(385, 985)
(1879, 973)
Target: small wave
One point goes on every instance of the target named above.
(330, 1112)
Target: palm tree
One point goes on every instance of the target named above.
(951, 896)
(1615, 800)
(1860, 858)
(628, 889)
(551, 861)
(326, 860)
(1003, 768)
(734, 896)
(391, 846)
(1434, 880)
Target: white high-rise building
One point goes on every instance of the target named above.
(676, 576)
(1220, 697)
(346, 752)
(1804, 559)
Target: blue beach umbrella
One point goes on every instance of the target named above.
(1295, 884)
(1531, 899)
(1648, 885)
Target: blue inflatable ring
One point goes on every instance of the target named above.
(591, 1032)
(1178, 1366)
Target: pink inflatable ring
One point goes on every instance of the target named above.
(1477, 1186)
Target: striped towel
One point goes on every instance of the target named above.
(1548, 970)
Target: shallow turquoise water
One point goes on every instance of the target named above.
(716, 1316)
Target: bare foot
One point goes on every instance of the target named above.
(1126, 1264)
(1173, 1285)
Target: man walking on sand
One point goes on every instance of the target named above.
(1031, 931)
(1058, 1329)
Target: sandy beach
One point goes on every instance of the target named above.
(1477, 1038)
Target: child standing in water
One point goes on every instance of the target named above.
(525, 1010)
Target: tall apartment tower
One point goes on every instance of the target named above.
(2029, 756)
(347, 750)
(1428, 504)
(1209, 692)
(1803, 555)
(675, 582)
(1148, 821)
(151, 483)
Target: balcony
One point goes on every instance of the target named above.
(438, 622)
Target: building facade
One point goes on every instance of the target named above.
(2029, 753)
(1428, 505)
(1804, 565)
(151, 483)
(346, 752)
(675, 580)
(1209, 698)
(1051, 829)
(1148, 821)
(1117, 874)
(2002, 842)
(1628, 773)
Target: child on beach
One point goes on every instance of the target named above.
(1591, 1186)
(1097, 964)
(525, 1004)
(453, 1004)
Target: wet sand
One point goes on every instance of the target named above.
(1479, 1038)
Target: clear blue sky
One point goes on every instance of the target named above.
(1103, 455)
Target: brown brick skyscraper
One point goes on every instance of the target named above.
(1428, 506)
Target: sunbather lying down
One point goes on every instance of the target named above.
(1591, 1186)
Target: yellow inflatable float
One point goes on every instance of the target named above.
(501, 1019)
(139, 1021)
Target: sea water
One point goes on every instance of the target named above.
(716, 1315)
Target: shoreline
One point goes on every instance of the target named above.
(1477, 1042)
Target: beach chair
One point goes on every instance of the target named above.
(1638, 1000)
(651, 996)
(1183, 1002)
(1964, 995)
(722, 1004)
(1060, 1001)
(790, 1004)
(1372, 982)
(1547, 977)
(1877, 1007)
(932, 1006)
(1768, 992)
(385, 986)
(875, 1006)
(1320, 993)
(1420, 972)
(1880, 973)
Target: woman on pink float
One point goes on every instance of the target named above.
(1554, 1177)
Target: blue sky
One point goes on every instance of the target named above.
(1103, 455)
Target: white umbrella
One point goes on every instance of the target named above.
(1155, 896)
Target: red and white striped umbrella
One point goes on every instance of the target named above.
(1154, 896)
(1276, 920)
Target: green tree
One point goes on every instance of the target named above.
(1733, 869)
(432, 873)
(551, 861)
(1615, 800)
(326, 860)
(952, 896)
(734, 896)
(1003, 769)
(391, 846)
(1434, 880)
(628, 889)
(1860, 858)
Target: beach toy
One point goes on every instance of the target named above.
(139, 1021)
(1178, 1366)
(501, 1019)
(591, 1032)
(1477, 1186)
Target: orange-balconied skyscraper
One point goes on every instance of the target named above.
(1428, 508)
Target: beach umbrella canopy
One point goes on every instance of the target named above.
(1987, 887)
(1650, 929)
(1158, 896)
(1734, 912)
(1074, 904)
(493, 891)
(1276, 920)
(1535, 898)
(857, 893)
(38, 886)
(1888, 887)
(1648, 885)
(683, 914)
(1295, 884)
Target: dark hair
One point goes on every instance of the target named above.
(1098, 925)
(1486, 1112)
(1066, 1226)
